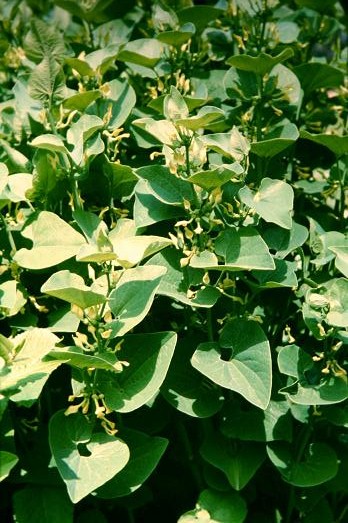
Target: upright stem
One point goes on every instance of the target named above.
(9, 235)
(74, 185)
(302, 447)
(210, 325)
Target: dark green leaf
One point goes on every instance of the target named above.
(145, 453)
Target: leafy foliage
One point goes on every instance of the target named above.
(174, 261)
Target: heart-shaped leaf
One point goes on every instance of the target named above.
(249, 369)
(318, 465)
(85, 460)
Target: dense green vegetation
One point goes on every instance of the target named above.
(174, 261)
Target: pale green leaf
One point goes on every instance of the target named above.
(70, 287)
(174, 105)
(71, 438)
(273, 201)
(233, 144)
(54, 241)
(144, 51)
(50, 142)
(24, 378)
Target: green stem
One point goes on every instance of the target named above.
(302, 447)
(342, 515)
(9, 236)
(210, 330)
(342, 182)
(183, 436)
(187, 158)
(67, 166)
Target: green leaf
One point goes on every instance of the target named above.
(91, 11)
(45, 176)
(70, 287)
(8, 294)
(149, 356)
(43, 40)
(248, 371)
(174, 105)
(217, 507)
(318, 465)
(144, 51)
(261, 64)
(81, 101)
(71, 438)
(163, 131)
(285, 241)
(99, 247)
(132, 297)
(164, 186)
(80, 132)
(337, 144)
(145, 453)
(7, 461)
(242, 249)
(15, 161)
(44, 504)
(238, 460)
(17, 186)
(46, 82)
(63, 320)
(118, 101)
(213, 178)
(100, 60)
(314, 75)
(131, 249)
(273, 201)
(284, 275)
(51, 142)
(25, 377)
(240, 84)
(248, 423)
(232, 145)
(205, 117)
(121, 178)
(341, 261)
(53, 242)
(179, 36)
(309, 388)
(322, 6)
(187, 390)
(177, 281)
(148, 209)
(75, 357)
(337, 294)
(201, 14)
(281, 137)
